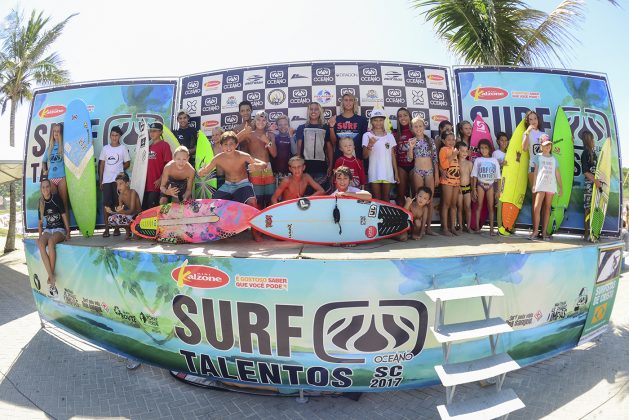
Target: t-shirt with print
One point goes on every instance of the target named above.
(499, 155)
(358, 171)
(546, 180)
(159, 156)
(534, 147)
(187, 137)
(353, 127)
(314, 140)
(486, 170)
(53, 209)
(114, 158)
(401, 150)
(380, 158)
(55, 163)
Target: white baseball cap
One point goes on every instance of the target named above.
(377, 113)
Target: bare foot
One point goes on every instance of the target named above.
(431, 232)
(416, 237)
(446, 233)
(455, 233)
(467, 229)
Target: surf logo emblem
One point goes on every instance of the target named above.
(488, 93)
(199, 276)
(390, 326)
(276, 97)
(348, 91)
(369, 71)
(418, 97)
(191, 106)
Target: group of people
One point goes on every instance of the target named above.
(261, 163)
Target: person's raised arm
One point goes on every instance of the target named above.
(244, 133)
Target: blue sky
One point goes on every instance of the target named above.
(137, 39)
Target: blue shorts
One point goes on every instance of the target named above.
(236, 191)
(55, 230)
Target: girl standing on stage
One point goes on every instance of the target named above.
(402, 135)
(547, 184)
(464, 132)
(450, 182)
(588, 165)
(56, 229)
(530, 140)
(379, 148)
(444, 127)
(53, 167)
(485, 177)
(425, 171)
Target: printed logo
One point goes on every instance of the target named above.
(300, 93)
(488, 93)
(194, 84)
(323, 71)
(394, 93)
(435, 77)
(298, 76)
(371, 232)
(418, 97)
(350, 91)
(52, 111)
(231, 102)
(401, 326)
(274, 115)
(276, 97)
(253, 96)
(327, 113)
(212, 100)
(298, 118)
(232, 79)
(231, 119)
(209, 124)
(191, 106)
(438, 96)
(393, 76)
(439, 118)
(323, 96)
(232, 82)
(414, 74)
(370, 71)
(255, 79)
(372, 94)
(276, 74)
(199, 276)
(420, 114)
(373, 211)
(211, 84)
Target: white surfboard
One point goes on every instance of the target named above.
(141, 160)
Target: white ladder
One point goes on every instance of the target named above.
(497, 366)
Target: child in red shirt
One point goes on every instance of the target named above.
(359, 179)
(159, 156)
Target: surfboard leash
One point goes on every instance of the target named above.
(336, 214)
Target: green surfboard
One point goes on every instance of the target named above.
(563, 150)
(78, 159)
(204, 186)
(600, 197)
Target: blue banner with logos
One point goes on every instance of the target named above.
(502, 96)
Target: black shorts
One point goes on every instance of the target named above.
(151, 199)
(110, 195)
(236, 191)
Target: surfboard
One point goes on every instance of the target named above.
(194, 221)
(310, 220)
(514, 182)
(600, 197)
(204, 186)
(78, 158)
(480, 130)
(170, 138)
(140, 160)
(563, 150)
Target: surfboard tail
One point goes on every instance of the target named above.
(509, 215)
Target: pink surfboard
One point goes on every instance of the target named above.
(480, 130)
(195, 221)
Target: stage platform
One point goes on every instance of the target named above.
(243, 246)
(292, 317)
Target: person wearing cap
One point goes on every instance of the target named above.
(379, 148)
(159, 156)
(187, 135)
(261, 145)
(547, 179)
(114, 158)
(127, 207)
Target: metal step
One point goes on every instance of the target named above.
(468, 330)
(476, 370)
(465, 292)
(488, 406)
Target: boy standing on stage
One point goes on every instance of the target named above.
(113, 159)
(187, 135)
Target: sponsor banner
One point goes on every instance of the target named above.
(292, 87)
(286, 323)
(111, 103)
(503, 96)
(605, 288)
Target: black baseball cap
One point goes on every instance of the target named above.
(156, 126)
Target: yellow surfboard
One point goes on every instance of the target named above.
(514, 182)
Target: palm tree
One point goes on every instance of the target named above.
(24, 62)
(505, 32)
